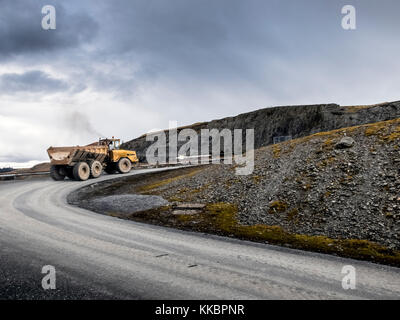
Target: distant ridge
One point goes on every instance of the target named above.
(293, 121)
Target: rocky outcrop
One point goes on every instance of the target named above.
(289, 121)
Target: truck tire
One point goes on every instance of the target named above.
(124, 165)
(57, 173)
(110, 168)
(96, 168)
(81, 171)
(70, 173)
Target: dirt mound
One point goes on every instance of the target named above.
(41, 167)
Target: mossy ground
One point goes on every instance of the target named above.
(355, 109)
(224, 216)
(277, 206)
(385, 131)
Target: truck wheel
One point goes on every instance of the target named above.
(81, 171)
(110, 168)
(70, 173)
(124, 165)
(57, 173)
(96, 168)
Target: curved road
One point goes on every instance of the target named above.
(99, 256)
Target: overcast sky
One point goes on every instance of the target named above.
(123, 67)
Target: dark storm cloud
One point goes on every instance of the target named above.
(32, 82)
(220, 42)
(21, 32)
(200, 43)
(263, 44)
(178, 36)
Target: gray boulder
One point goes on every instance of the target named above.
(345, 142)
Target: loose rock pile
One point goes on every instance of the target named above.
(342, 184)
(126, 203)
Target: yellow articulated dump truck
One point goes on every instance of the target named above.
(84, 162)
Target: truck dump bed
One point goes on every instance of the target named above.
(71, 155)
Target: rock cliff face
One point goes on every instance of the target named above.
(292, 121)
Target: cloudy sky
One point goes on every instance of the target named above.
(123, 67)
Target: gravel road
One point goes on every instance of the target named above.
(98, 256)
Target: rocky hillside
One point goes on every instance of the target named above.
(294, 121)
(342, 184)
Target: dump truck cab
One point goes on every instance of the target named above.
(115, 153)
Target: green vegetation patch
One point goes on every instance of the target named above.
(385, 130)
(225, 219)
(277, 206)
